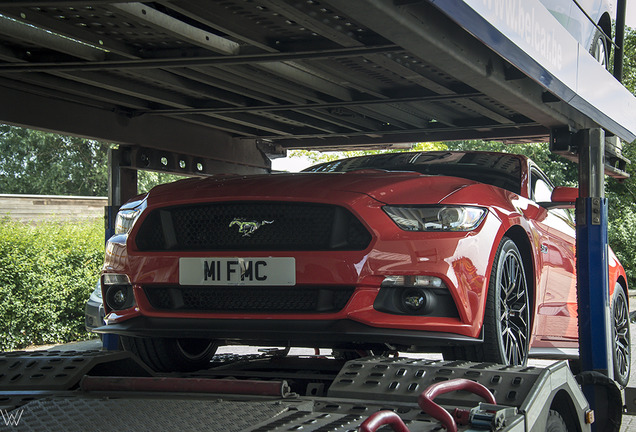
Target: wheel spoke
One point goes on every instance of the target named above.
(513, 310)
(620, 319)
(511, 348)
(621, 334)
(622, 360)
(622, 348)
(514, 338)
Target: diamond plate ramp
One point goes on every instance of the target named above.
(62, 370)
(141, 415)
(403, 379)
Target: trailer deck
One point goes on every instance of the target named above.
(75, 391)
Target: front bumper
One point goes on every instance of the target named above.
(304, 333)
(94, 315)
(457, 258)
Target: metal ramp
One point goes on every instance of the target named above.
(524, 396)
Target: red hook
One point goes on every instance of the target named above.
(381, 418)
(425, 401)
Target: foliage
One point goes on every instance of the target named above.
(622, 194)
(621, 197)
(561, 171)
(319, 157)
(47, 272)
(41, 163)
(146, 180)
(622, 238)
(629, 60)
(34, 162)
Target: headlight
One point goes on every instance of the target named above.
(127, 217)
(436, 218)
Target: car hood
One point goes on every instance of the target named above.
(386, 187)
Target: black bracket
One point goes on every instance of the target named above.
(564, 142)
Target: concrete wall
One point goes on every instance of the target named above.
(36, 208)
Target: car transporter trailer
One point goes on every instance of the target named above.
(281, 75)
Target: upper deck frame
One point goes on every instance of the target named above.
(203, 77)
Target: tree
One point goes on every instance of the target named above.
(34, 162)
(146, 180)
(319, 157)
(629, 60)
(622, 194)
(561, 171)
(41, 163)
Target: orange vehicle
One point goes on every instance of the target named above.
(470, 253)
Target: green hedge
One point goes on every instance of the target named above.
(622, 238)
(47, 272)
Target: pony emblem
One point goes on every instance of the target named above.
(247, 227)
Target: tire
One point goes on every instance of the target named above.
(621, 352)
(599, 50)
(506, 325)
(555, 422)
(171, 355)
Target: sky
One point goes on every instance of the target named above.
(630, 17)
(294, 164)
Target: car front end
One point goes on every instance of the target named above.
(316, 260)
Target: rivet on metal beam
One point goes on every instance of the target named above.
(596, 211)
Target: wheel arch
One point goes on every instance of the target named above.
(623, 283)
(564, 405)
(605, 22)
(520, 237)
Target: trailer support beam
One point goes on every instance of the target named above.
(122, 185)
(595, 332)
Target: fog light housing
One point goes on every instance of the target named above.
(412, 295)
(416, 301)
(413, 299)
(120, 297)
(118, 291)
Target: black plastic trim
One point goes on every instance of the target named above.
(307, 333)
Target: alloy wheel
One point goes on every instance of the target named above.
(513, 309)
(621, 335)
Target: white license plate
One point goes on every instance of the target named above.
(237, 271)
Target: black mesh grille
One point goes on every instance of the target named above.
(249, 299)
(281, 226)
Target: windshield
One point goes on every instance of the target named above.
(497, 169)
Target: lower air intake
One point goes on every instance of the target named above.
(249, 299)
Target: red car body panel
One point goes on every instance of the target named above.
(463, 260)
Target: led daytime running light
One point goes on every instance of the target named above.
(413, 281)
(436, 218)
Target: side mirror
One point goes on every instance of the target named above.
(562, 197)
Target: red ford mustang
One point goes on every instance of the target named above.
(470, 253)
